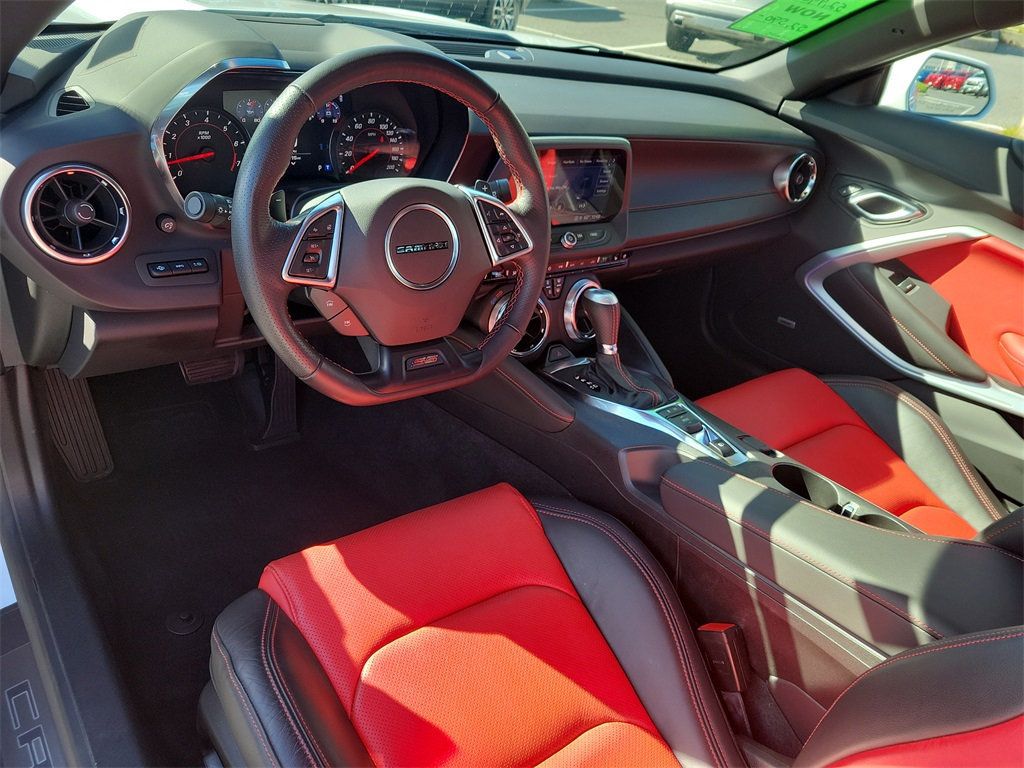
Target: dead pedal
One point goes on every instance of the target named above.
(220, 368)
(75, 427)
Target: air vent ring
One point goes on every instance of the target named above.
(537, 329)
(76, 214)
(795, 178)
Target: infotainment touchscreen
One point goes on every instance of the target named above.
(584, 184)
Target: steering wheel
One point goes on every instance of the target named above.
(398, 259)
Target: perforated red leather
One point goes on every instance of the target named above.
(452, 636)
(801, 416)
(984, 283)
(998, 746)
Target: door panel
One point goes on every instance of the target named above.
(983, 281)
(963, 252)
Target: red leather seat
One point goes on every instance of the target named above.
(870, 437)
(489, 630)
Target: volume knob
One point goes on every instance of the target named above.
(569, 240)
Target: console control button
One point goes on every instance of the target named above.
(198, 266)
(161, 269)
(722, 448)
(569, 240)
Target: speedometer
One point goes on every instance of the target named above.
(203, 149)
(373, 145)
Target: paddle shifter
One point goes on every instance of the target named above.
(616, 382)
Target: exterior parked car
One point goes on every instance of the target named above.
(975, 85)
(495, 14)
(690, 20)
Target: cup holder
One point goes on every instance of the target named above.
(806, 484)
(888, 522)
(817, 490)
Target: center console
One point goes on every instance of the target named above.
(823, 583)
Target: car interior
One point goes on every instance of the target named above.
(377, 393)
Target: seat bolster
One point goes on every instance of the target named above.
(916, 433)
(279, 704)
(913, 700)
(637, 610)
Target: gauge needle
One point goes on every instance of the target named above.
(190, 158)
(363, 162)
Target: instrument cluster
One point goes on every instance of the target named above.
(367, 134)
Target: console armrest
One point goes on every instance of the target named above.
(895, 590)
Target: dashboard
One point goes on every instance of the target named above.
(379, 131)
(162, 106)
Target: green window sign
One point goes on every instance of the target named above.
(789, 20)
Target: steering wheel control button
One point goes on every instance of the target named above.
(313, 263)
(321, 227)
(313, 258)
(328, 303)
(422, 247)
(505, 236)
(347, 324)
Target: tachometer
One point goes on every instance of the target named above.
(203, 148)
(372, 145)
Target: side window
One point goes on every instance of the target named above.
(975, 81)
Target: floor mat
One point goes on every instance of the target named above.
(191, 514)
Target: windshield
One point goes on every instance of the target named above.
(704, 34)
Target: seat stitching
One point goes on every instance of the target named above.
(244, 700)
(434, 621)
(288, 691)
(284, 588)
(939, 430)
(904, 328)
(681, 651)
(895, 660)
(975, 545)
(796, 552)
(1001, 529)
(274, 688)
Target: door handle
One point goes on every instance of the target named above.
(880, 207)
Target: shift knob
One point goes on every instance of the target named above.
(602, 307)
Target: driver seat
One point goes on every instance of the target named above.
(489, 630)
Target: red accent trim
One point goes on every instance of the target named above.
(801, 416)
(983, 281)
(992, 747)
(715, 626)
(453, 635)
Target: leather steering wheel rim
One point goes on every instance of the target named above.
(260, 242)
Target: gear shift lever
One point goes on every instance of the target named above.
(602, 307)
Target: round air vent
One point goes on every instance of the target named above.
(536, 330)
(577, 324)
(76, 214)
(795, 178)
